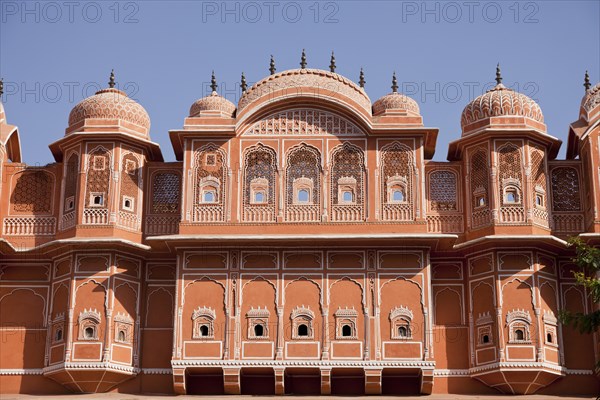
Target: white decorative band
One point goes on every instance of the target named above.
(157, 371)
(303, 363)
(32, 371)
(93, 366)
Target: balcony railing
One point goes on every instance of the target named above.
(512, 214)
(95, 216)
(397, 212)
(303, 213)
(129, 221)
(445, 223)
(29, 226)
(68, 220)
(162, 224)
(568, 223)
(253, 213)
(347, 213)
(206, 213)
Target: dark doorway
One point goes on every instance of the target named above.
(209, 382)
(258, 381)
(303, 381)
(347, 382)
(400, 383)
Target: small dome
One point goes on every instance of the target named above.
(214, 102)
(395, 102)
(500, 102)
(110, 104)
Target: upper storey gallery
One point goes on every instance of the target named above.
(305, 147)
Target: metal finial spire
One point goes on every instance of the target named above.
(586, 82)
(498, 74)
(243, 85)
(111, 81)
(213, 82)
(272, 68)
(1, 87)
(394, 83)
(361, 79)
(332, 63)
(303, 60)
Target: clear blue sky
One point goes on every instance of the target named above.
(444, 53)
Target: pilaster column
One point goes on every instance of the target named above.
(426, 381)
(179, 381)
(325, 318)
(325, 380)
(279, 380)
(231, 380)
(279, 355)
(373, 380)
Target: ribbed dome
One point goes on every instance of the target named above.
(500, 102)
(110, 104)
(395, 102)
(214, 102)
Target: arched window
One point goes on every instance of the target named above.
(89, 333)
(397, 171)
(347, 183)
(346, 330)
(302, 330)
(403, 332)
(401, 318)
(58, 336)
(398, 195)
(485, 339)
(204, 330)
(88, 324)
(519, 334)
(518, 322)
(303, 184)
(549, 338)
(209, 197)
(302, 322)
(121, 336)
(210, 183)
(303, 196)
(260, 169)
(259, 330)
(203, 318)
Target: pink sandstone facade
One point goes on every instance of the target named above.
(303, 242)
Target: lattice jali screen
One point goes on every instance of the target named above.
(33, 193)
(303, 172)
(397, 165)
(510, 173)
(99, 171)
(210, 174)
(347, 164)
(166, 188)
(540, 187)
(479, 187)
(442, 191)
(259, 164)
(565, 189)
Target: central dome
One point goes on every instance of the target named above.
(321, 80)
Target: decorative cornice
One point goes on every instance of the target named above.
(429, 365)
(29, 371)
(258, 312)
(402, 312)
(517, 365)
(204, 312)
(92, 366)
(300, 311)
(518, 314)
(345, 312)
(124, 318)
(89, 314)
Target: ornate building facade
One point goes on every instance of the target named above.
(303, 242)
